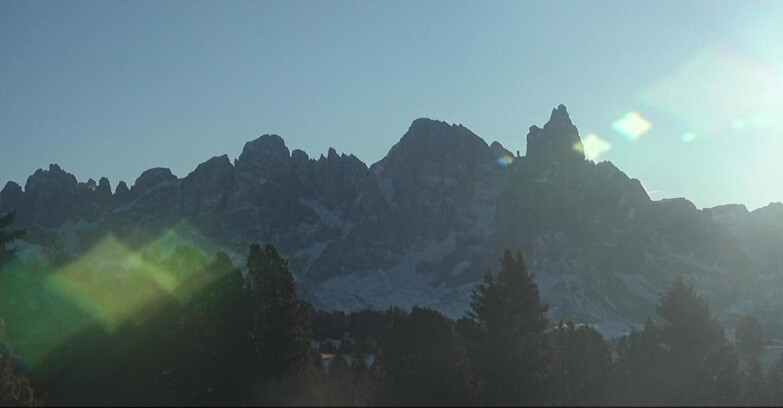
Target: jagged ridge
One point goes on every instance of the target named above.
(423, 224)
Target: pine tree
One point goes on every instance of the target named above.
(234, 312)
(15, 388)
(688, 324)
(704, 365)
(282, 325)
(582, 366)
(640, 372)
(215, 327)
(426, 361)
(508, 305)
(686, 361)
(504, 327)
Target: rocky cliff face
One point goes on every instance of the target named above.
(557, 147)
(423, 224)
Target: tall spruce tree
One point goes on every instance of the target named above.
(282, 326)
(15, 388)
(687, 361)
(234, 314)
(581, 370)
(426, 361)
(503, 328)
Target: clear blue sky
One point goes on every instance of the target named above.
(113, 88)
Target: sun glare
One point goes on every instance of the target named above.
(109, 286)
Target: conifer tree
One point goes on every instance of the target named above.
(640, 370)
(686, 361)
(582, 366)
(503, 328)
(426, 361)
(15, 389)
(234, 314)
(282, 325)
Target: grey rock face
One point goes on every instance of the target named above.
(434, 172)
(557, 144)
(205, 191)
(51, 197)
(10, 197)
(423, 224)
(122, 192)
(499, 150)
(151, 178)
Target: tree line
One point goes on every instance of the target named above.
(249, 339)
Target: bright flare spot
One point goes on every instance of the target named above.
(592, 146)
(716, 86)
(108, 286)
(98, 290)
(760, 120)
(738, 124)
(632, 125)
(505, 160)
(688, 137)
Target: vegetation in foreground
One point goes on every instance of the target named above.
(235, 339)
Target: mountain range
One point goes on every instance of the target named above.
(422, 225)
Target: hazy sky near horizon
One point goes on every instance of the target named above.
(114, 88)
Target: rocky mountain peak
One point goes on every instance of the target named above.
(425, 125)
(732, 211)
(10, 197)
(122, 188)
(104, 187)
(121, 192)
(54, 179)
(678, 205)
(499, 150)
(299, 156)
(432, 215)
(265, 158)
(557, 142)
(151, 178)
(771, 214)
(11, 188)
(213, 165)
(560, 115)
(91, 184)
(265, 148)
(433, 142)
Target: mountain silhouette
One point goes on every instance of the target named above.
(422, 225)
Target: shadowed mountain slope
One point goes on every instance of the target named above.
(423, 224)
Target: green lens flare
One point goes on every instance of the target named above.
(109, 286)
